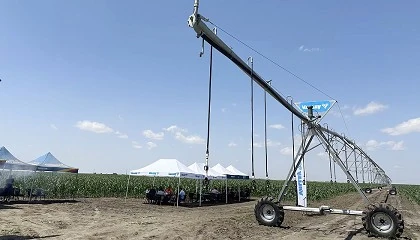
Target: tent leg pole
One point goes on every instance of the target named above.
(226, 192)
(177, 197)
(126, 191)
(201, 184)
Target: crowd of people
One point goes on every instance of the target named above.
(168, 195)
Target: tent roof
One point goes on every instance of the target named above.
(12, 162)
(48, 162)
(222, 170)
(235, 170)
(199, 168)
(229, 174)
(167, 168)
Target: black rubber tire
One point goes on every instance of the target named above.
(269, 212)
(368, 190)
(392, 192)
(386, 214)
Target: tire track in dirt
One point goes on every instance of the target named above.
(410, 212)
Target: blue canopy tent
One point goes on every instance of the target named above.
(14, 168)
(49, 163)
(12, 163)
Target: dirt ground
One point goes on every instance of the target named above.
(110, 218)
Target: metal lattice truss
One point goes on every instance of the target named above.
(354, 162)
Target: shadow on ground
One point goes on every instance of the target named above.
(17, 237)
(46, 201)
(203, 204)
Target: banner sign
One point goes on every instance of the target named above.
(301, 186)
(318, 106)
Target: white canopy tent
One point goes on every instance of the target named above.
(236, 171)
(212, 174)
(166, 168)
(231, 173)
(222, 170)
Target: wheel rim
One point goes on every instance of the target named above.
(267, 212)
(382, 222)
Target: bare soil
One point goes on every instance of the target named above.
(112, 218)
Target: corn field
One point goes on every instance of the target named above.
(412, 192)
(65, 185)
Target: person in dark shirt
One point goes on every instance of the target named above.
(9, 185)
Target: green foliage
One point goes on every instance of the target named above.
(412, 192)
(64, 185)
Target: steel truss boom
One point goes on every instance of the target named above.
(353, 161)
(362, 163)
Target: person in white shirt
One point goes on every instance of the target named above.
(182, 195)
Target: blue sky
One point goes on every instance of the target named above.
(109, 86)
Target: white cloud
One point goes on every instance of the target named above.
(136, 145)
(174, 129)
(181, 136)
(95, 127)
(276, 126)
(191, 139)
(286, 151)
(232, 144)
(390, 145)
(410, 126)
(370, 108)
(271, 143)
(123, 136)
(120, 135)
(398, 146)
(150, 134)
(151, 145)
(53, 126)
(302, 48)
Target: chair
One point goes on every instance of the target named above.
(150, 195)
(191, 197)
(17, 193)
(39, 193)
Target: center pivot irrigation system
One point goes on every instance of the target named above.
(380, 220)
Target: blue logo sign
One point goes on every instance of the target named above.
(300, 180)
(318, 106)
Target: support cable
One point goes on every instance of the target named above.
(206, 167)
(265, 131)
(293, 145)
(281, 67)
(270, 60)
(252, 115)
